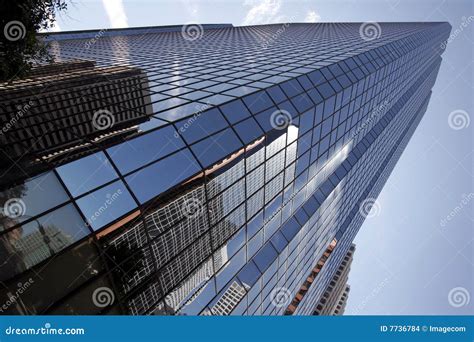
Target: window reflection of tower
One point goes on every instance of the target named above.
(183, 242)
(59, 121)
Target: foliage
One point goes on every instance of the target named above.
(20, 46)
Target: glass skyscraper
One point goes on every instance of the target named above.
(202, 170)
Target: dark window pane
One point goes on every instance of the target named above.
(82, 301)
(249, 274)
(235, 111)
(180, 112)
(290, 229)
(201, 125)
(279, 242)
(276, 94)
(258, 102)
(216, 147)
(265, 257)
(38, 240)
(76, 266)
(248, 130)
(137, 152)
(151, 181)
(106, 204)
(87, 173)
(291, 88)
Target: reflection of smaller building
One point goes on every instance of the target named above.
(41, 244)
(229, 300)
(63, 108)
(334, 299)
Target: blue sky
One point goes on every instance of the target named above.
(418, 247)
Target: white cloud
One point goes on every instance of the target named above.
(312, 17)
(116, 13)
(192, 7)
(262, 12)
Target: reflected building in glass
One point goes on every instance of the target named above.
(333, 301)
(232, 167)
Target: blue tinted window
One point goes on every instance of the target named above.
(166, 104)
(306, 121)
(287, 106)
(326, 90)
(258, 102)
(305, 82)
(235, 111)
(290, 229)
(137, 152)
(302, 102)
(291, 88)
(87, 173)
(279, 242)
(255, 224)
(151, 181)
(248, 130)
(265, 257)
(216, 99)
(249, 274)
(316, 77)
(234, 243)
(196, 95)
(201, 125)
(181, 111)
(329, 107)
(276, 94)
(255, 243)
(241, 91)
(194, 306)
(107, 204)
(216, 147)
(315, 96)
(265, 119)
(230, 269)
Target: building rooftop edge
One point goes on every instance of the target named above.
(92, 33)
(81, 34)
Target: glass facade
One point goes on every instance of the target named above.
(228, 168)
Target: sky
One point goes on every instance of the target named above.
(415, 254)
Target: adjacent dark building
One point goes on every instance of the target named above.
(334, 300)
